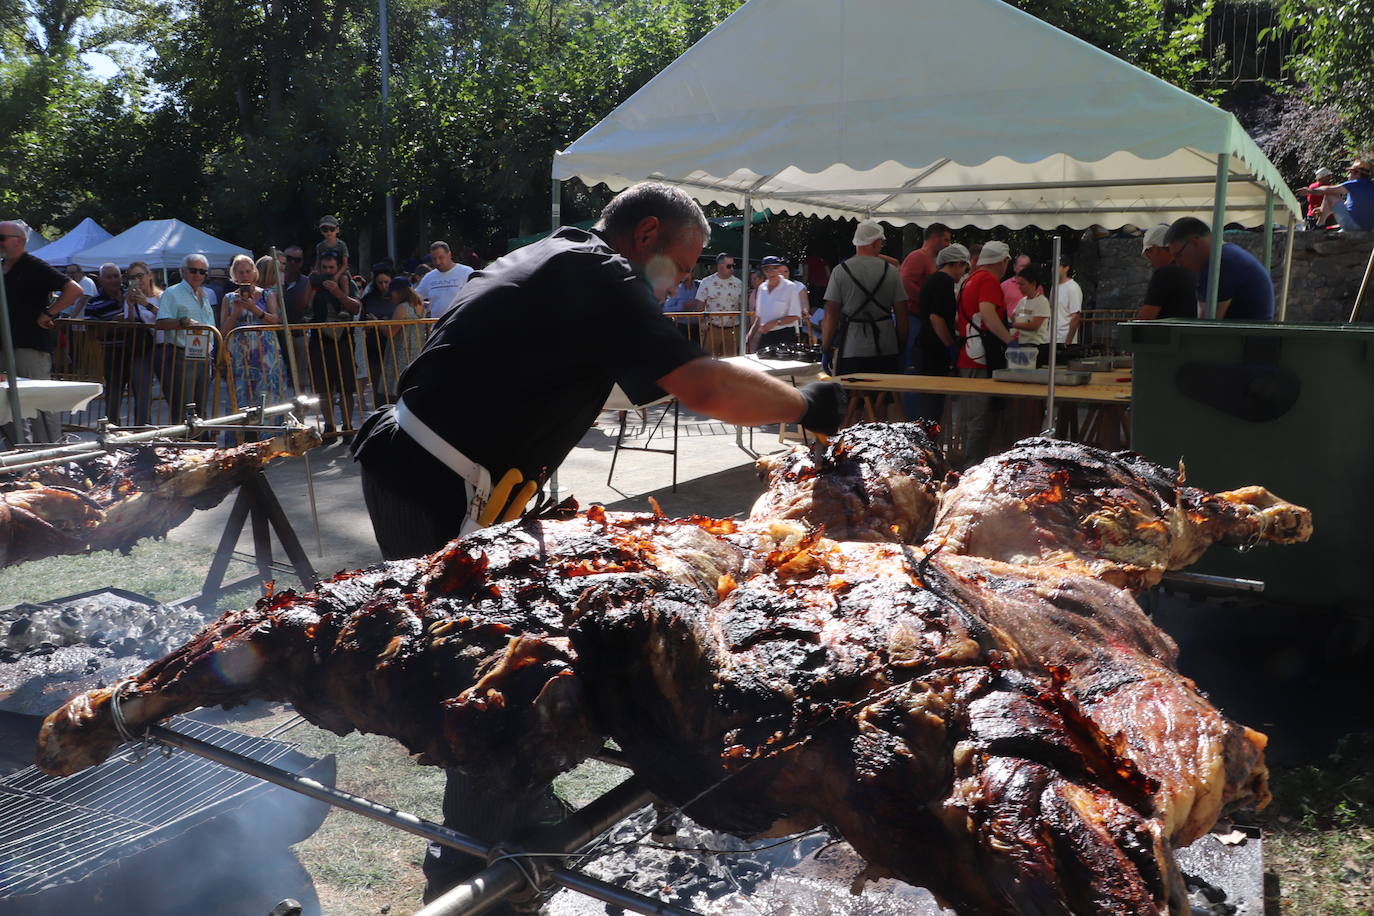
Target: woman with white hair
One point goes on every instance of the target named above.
(254, 356)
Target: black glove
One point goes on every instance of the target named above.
(825, 407)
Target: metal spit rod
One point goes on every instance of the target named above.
(626, 798)
(1222, 582)
(62, 453)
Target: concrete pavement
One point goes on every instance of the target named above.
(715, 477)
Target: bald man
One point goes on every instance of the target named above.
(29, 285)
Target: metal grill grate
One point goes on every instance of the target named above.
(58, 830)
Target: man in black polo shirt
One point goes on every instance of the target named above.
(1170, 293)
(29, 285)
(514, 375)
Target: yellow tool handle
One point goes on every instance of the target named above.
(500, 495)
(520, 500)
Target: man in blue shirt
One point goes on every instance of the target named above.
(1350, 202)
(1245, 291)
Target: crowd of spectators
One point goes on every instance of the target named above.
(143, 342)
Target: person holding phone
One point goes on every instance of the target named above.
(255, 362)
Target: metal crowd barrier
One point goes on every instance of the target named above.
(352, 366)
(147, 381)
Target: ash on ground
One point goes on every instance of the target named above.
(812, 875)
(50, 652)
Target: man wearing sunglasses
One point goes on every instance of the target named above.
(29, 285)
(1245, 291)
(188, 310)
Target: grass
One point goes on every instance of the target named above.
(1319, 834)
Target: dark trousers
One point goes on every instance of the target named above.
(190, 385)
(778, 338)
(411, 518)
(129, 363)
(332, 373)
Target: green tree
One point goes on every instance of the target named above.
(1332, 45)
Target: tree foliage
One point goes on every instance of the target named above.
(253, 119)
(1333, 45)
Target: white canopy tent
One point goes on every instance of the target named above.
(162, 243)
(913, 111)
(59, 251)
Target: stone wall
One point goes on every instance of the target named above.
(1327, 269)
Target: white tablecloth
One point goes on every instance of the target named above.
(47, 394)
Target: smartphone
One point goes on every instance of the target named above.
(245, 289)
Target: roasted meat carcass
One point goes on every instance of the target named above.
(1115, 516)
(113, 501)
(461, 656)
(1013, 736)
(872, 482)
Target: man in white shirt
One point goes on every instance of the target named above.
(721, 292)
(87, 285)
(441, 285)
(1070, 304)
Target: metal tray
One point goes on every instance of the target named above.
(1041, 376)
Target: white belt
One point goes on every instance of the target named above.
(476, 478)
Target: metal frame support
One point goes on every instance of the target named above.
(1218, 235)
(1269, 230)
(1054, 337)
(12, 381)
(555, 219)
(1282, 314)
(744, 276)
(578, 830)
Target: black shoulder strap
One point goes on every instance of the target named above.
(870, 296)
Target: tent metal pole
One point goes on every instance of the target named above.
(385, 42)
(11, 375)
(1287, 266)
(744, 285)
(1218, 235)
(1269, 231)
(743, 274)
(555, 218)
(1054, 338)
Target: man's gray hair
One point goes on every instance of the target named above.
(110, 265)
(192, 258)
(673, 207)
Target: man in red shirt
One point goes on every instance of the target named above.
(979, 326)
(1315, 201)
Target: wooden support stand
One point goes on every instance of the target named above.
(257, 501)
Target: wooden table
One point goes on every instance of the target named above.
(1103, 423)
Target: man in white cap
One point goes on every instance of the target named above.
(865, 308)
(1170, 293)
(983, 341)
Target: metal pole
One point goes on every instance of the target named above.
(1269, 230)
(1218, 234)
(744, 290)
(1054, 338)
(386, 126)
(555, 219)
(619, 803)
(76, 449)
(12, 380)
(1287, 267)
(500, 879)
(743, 274)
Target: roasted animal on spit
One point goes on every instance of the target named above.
(1015, 737)
(881, 483)
(1115, 516)
(113, 501)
